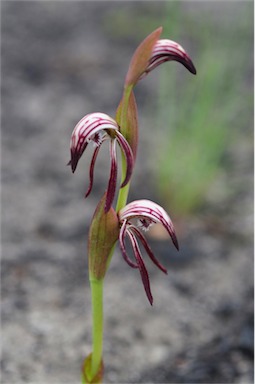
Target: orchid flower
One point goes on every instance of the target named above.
(168, 50)
(147, 213)
(97, 128)
(152, 52)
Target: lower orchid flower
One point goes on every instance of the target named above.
(97, 128)
(147, 213)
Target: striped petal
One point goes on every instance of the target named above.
(148, 212)
(88, 130)
(97, 128)
(168, 50)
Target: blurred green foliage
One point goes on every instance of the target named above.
(132, 20)
(200, 117)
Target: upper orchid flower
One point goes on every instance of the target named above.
(168, 50)
(98, 127)
(147, 213)
(152, 52)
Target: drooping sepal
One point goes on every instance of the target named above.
(86, 372)
(103, 233)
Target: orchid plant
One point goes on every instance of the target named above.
(127, 220)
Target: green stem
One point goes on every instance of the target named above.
(95, 284)
(97, 318)
(124, 111)
(123, 192)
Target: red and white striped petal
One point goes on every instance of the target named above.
(168, 50)
(85, 131)
(148, 210)
(98, 127)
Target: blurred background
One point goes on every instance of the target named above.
(62, 60)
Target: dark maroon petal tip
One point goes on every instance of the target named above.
(185, 61)
(175, 241)
(75, 157)
(145, 280)
(189, 65)
(171, 231)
